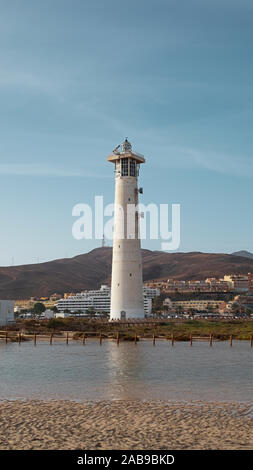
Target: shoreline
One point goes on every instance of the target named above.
(125, 425)
(108, 401)
(62, 338)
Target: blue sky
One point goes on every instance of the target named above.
(78, 76)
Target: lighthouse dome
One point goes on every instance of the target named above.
(126, 146)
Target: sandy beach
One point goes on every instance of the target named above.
(125, 425)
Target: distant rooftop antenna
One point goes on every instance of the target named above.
(103, 241)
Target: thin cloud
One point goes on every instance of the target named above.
(201, 158)
(41, 83)
(222, 162)
(45, 171)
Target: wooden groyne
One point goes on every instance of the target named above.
(118, 337)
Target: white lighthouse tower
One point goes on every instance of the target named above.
(127, 285)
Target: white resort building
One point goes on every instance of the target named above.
(100, 300)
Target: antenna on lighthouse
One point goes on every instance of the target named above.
(116, 149)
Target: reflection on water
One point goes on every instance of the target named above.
(127, 371)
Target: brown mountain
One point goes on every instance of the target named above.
(244, 253)
(91, 269)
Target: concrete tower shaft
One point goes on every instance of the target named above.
(127, 284)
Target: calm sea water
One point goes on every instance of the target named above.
(111, 372)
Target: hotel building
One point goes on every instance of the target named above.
(100, 300)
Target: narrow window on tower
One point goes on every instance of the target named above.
(132, 167)
(117, 167)
(124, 167)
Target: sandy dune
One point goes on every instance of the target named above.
(125, 425)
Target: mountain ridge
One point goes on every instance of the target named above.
(90, 270)
(243, 253)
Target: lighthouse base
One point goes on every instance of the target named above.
(128, 314)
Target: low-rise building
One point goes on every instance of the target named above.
(151, 292)
(61, 315)
(238, 282)
(232, 282)
(48, 314)
(182, 286)
(247, 302)
(6, 312)
(54, 297)
(198, 305)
